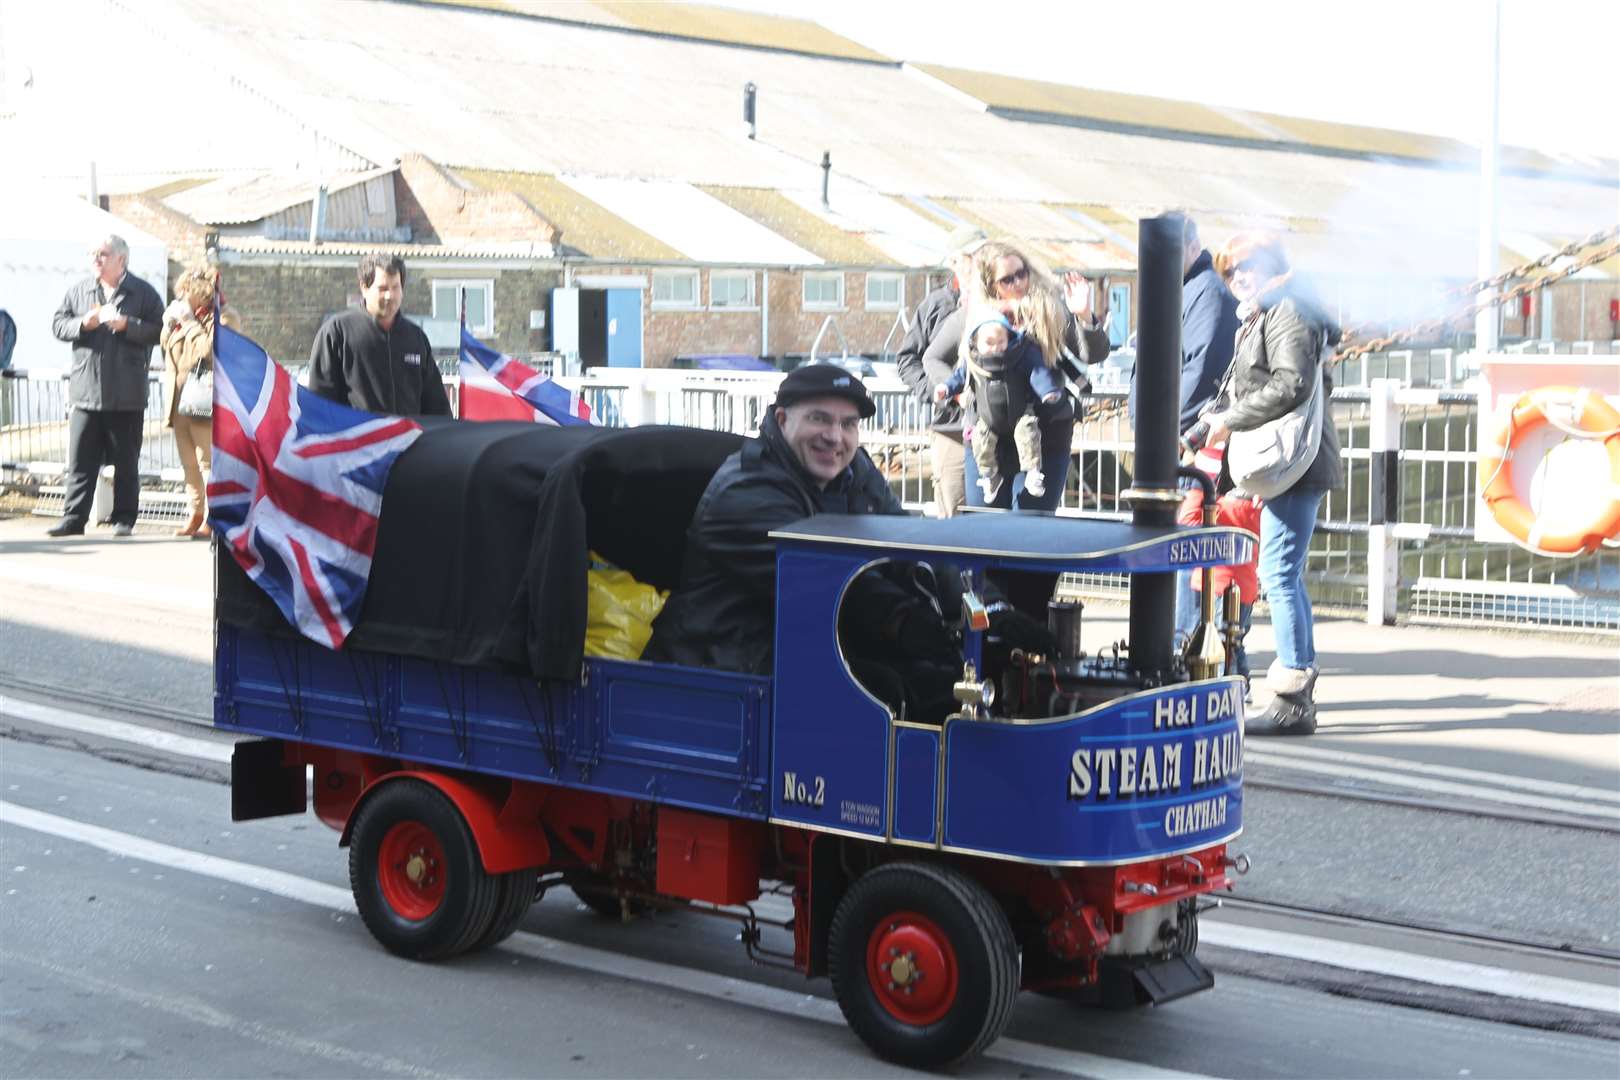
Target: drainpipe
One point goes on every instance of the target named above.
(764, 313)
(317, 213)
(749, 93)
(826, 174)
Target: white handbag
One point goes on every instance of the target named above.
(1268, 460)
(197, 395)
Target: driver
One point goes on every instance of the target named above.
(806, 460)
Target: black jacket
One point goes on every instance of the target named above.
(356, 362)
(1274, 368)
(1209, 323)
(723, 615)
(109, 371)
(922, 372)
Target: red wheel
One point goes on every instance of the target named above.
(418, 881)
(411, 870)
(912, 967)
(923, 963)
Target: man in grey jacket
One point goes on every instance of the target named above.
(921, 377)
(112, 319)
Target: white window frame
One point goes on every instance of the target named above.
(821, 275)
(693, 304)
(750, 304)
(461, 285)
(884, 305)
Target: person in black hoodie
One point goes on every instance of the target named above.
(806, 460)
(374, 359)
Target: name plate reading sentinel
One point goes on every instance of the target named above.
(1145, 776)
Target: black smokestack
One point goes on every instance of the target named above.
(1158, 414)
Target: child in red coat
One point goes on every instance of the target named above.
(1243, 511)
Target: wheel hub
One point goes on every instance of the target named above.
(409, 862)
(912, 968)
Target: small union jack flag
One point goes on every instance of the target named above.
(497, 387)
(296, 487)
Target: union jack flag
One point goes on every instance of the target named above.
(296, 487)
(488, 378)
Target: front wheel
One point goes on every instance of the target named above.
(923, 963)
(416, 875)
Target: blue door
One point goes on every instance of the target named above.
(624, 327)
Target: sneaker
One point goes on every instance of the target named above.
(123, 528)
(65, 527)
(1288, 714)
(991, 488)
(1035, 483)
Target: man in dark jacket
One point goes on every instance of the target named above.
(374, 359)
(806, 460)
(1209, 326)
(922, 373)
(112, 319)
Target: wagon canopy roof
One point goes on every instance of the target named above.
(1004, 539)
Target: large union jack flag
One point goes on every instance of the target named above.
(296, 487)
(497, 387)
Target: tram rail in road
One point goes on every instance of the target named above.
(1585, 981)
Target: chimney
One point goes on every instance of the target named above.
(826, 174)
(750, 92)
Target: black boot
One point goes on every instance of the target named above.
(1288, 714)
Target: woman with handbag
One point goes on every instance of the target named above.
(1272, 416)
(188, 385)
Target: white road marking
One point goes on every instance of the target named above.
(167, 596)
(1524, 783)
(136, 734)
(1434, 786)
(1427, 969)
(719, 987)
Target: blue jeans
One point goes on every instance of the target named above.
(1286, 524)
(1057, 437)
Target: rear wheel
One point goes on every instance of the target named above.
(517, 894)
(923, 963)
(416, 875)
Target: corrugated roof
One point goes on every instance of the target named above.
(702, 22)
(1133, 110)
(236, 200)
(788, 219)
(517, 249)
(587, 226)
(696, 224)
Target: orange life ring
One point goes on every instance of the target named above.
(1591, 413)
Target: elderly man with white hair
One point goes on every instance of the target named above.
(112, 319)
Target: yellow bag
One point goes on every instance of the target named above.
(619, 612)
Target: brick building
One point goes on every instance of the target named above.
(581, 150)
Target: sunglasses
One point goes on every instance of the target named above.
(1020, 274)
(1246, 266)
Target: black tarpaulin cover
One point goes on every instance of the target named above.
(482, 547)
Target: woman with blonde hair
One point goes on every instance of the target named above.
(188, 344)
(1283, 342)
(1059, 320)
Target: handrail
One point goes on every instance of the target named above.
(901, 324)
(842, 340)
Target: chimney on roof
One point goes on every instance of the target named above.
(826, 174)
(750, 91)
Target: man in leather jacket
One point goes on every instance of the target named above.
(806, 460)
